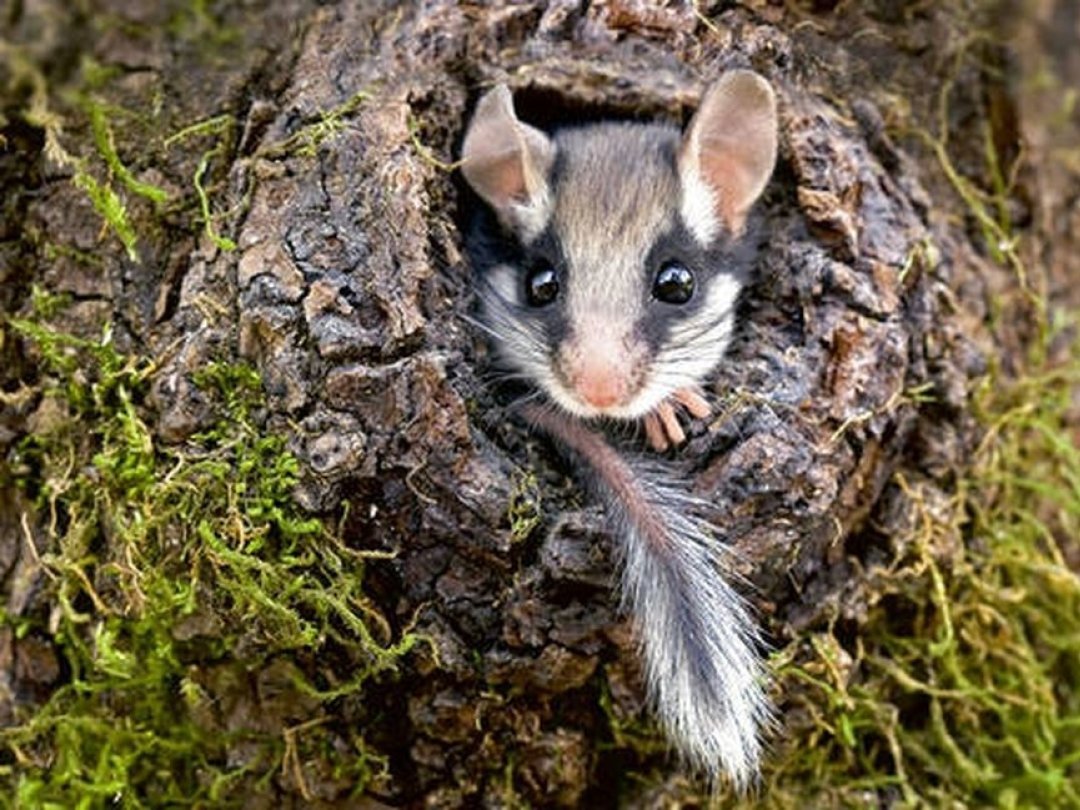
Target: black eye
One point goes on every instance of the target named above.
(674, 283)
(541, 284)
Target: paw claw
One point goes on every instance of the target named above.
(694, 402)
(662, 428)
(654, 432)
(670, 422)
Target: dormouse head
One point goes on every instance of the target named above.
(613, 278)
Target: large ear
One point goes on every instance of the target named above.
(505, 161)
(727, 154)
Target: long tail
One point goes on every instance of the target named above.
(700, 644)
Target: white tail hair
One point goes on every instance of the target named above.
(703, 670)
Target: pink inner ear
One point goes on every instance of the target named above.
(725, 175)
(730, 144)
(501, 179)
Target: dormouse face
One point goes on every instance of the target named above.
(615, 282)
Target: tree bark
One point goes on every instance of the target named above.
(325, 156)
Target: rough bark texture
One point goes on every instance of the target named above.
(859, 342)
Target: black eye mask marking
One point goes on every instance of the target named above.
(539, 278)
(677, 275)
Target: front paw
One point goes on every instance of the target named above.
(662, 428)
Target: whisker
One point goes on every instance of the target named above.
(694, 331)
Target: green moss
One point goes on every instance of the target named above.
(960, 685)
(963, 689)
(95, 75)
(221, 130)
(96, 174)
(111, 209)
(425, 152)
(141, 538)
(40, 113)
(306, 141)
(524, 512)
(986, 201)
(195, 21)
(103, 140)
(54, 250)
(104, 198)
(222, 242)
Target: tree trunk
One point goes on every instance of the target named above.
(215, 186)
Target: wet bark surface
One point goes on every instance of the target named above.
(859, 340)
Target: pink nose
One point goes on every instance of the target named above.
(600, 388)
